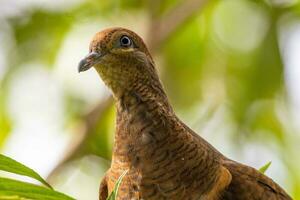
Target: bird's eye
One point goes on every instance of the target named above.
(125, 41)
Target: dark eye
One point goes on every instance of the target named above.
(125, 41)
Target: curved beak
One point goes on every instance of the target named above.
(90, 60)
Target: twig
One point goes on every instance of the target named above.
(162, 29)
(83, 133)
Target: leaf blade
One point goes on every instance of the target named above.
(264, 168)
(14, 188)
(114, 193)
(10, 165)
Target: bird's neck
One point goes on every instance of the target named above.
(143, 93)
(143, 109)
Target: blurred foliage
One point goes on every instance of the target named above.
(188, 63)
(227, 55)
(98, 140)
(45, 31)
(5, 124)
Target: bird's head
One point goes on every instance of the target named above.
(121, 58)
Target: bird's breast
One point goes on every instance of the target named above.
(164, 161)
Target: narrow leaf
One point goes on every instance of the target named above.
(12, 197)
(264, 168)
(10, 165)
(21, 190)
(113, 195)
(9, 197)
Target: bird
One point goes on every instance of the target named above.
(163, 157)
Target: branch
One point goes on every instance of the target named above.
(84, 131)
(162, 29)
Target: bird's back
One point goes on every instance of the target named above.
(246, 183)
(250, 184)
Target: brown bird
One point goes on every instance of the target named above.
(165, 159)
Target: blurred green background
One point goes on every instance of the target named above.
(231, 69)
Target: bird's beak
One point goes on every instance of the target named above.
(90, 60)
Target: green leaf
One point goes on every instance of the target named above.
(13, 197)
(113, 195)
(264, 168)
(12, 189)
(10, 165)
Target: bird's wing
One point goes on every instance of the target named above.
(248, 183)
